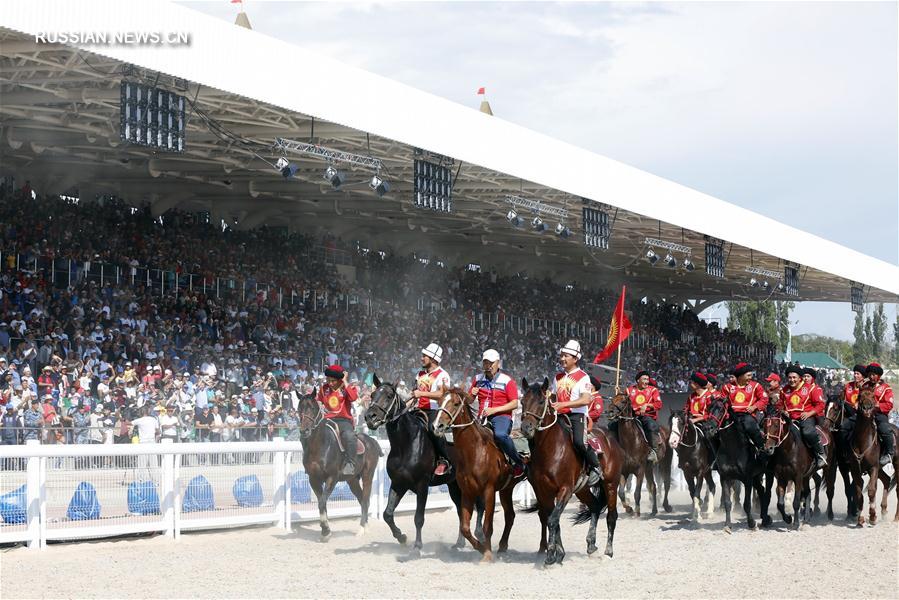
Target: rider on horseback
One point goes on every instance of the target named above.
(431, 384)
(337, 399)
(647, 402)
(574, 393)
(747, 401)
(799, 400)
(697, 408)
(497, 397)
(883, 394)
(850, 401)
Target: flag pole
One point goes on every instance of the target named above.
(618, 360)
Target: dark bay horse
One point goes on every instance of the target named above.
(481, 470)
(556, 472)
(411, 461)
(864, 455)
(834, 414)
(323, 462)
(791, 461)
(738, 462)
(630, 437)
(694, 459)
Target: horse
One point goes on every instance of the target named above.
(864, 455)
(556, 473)
(834, 414)
(411, 461)
(481, 470)
(323, 461)
(694, 459)
(791, 461)
(737, 462)
(629, 435)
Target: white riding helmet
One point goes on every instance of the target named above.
(490, 355)
(434, 351)
(573, 348)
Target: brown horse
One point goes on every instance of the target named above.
(791, 461)
(323, 461)
(834, 415)
(556, 473)
(629, 435)
(481, 470)
(864, 454)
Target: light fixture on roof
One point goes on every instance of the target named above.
(379, 186)
(688, 265)
(753, 282)
(652, 257)
(538, 225)
(514, 219)
(334, 177)
(765, 285)
(287, 168)
(670, 261)
(563, 231)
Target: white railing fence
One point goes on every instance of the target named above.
(66, 492)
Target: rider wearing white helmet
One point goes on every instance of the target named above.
(429, 386)
(574, 393)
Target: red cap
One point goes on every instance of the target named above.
(773, 377)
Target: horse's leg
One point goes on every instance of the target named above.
(611, 517)
(713, 489)
(456, 497)
(505, 499)
(798, 493)
(665, 472)
(421, 503)
(747, 503)
(781, 503)
(766, 500)
(362, 495)
(830, 478)
(489, 496)
(653, 490)
(726, 485)
(467, 508)
(872, 495)
(556, 551)
(623, 495)
(849, 490)
(816, 477)
(479, 522)
(393, 499)
(638, 491)
(885, 480)
(327, 486)
(858, 483)
(544, 517)
(694, 495)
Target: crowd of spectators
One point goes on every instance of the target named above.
(82, 357)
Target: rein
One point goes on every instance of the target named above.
(452, 416)
(682, 434)
(394, 403)
(780, 436)
(872, 439)
(316, 421)
(542, 416)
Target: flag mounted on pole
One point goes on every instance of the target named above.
(618, 331)
(481, 91)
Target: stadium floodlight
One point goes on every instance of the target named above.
(753, 282)
(652, 257)
(563, 231)
(379, 186)
(766, 286)
(334, 177)
(688, 265)
(780, 287)
(514, 219)
(287, 168)
(670, 261)
(538, 225)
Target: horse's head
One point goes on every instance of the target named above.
(676, 424)
(833, 413)
(454, 402)
(774, 428)
(386, 402)
(534, 406)
(310, 412)
(718, 410)
(619, 406)
(866, 402)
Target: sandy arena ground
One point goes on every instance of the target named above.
(654, 557)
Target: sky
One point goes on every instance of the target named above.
(787, 109)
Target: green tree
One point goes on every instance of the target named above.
(841, 350)
(757, 320)
(878, 333)
(782, 312)
(860, 347)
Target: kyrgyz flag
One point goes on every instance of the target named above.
(618, 331)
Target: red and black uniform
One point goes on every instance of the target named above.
(850, 396)
(697, 407)
(747, 404)
(796, 401)
(883, 394)
(337, 405)
(647, 398)
(594, 410)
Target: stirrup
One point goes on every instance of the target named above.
(652, 456)
(885, 459)
(594, 476)
(820, 461)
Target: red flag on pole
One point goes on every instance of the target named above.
(618, 331)
(236, 1)
(481, 91)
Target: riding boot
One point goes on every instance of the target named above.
(820, 457)
(886, 450)
(349, 462)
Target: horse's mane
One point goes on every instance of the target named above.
(866, 397)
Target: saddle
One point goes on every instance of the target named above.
(360, 445)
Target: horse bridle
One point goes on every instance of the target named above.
(780, 437)
(540, 417)
(316, 421)
(452, 416)
(394, 402)
(683, 431)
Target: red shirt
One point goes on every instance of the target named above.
(494, 392)
(337, 402)
(740, 397)
(817, 393)
(796, 402)
(647, 397)
(883, 393)
(850, 394)
(570, 386)
(698, 404)
(594, 411)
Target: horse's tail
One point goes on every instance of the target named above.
(597, 506)
(892, 482)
